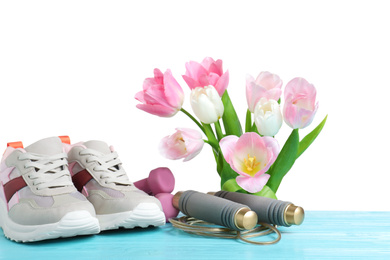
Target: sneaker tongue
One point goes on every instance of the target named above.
(47, 146)
(98, 146)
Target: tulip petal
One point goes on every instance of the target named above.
(290, 115)
(191, 82)
(195, 70)
(157, 110)
(306, 116)
(274, 94)
(222, 83)
(300, 86)
(173, 92)
(272, 143)
(218, 63)
(253, 184)
(158, 76)
(253, 94)
(149, 83)
(216, 68)
(140, 96)
(188, 133)
(213, 79)
(207, 63)
(297, 117)
(268, 80)
(203, 80)
(193, 149)
(227, 145)
(155, 95)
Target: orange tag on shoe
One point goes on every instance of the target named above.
(65, 139)
(15, 145)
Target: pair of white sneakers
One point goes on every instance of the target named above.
(53, 189)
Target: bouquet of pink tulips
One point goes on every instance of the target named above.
(250, 162)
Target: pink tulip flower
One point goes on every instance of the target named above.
(207, 73)
(161, 95)
(250, 156)
(300, 103)
(184, 143)
(266, 85)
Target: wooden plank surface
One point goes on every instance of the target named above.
(323, 235)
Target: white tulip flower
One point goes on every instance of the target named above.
(268, 117)
(206, 104)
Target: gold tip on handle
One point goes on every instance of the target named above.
(245, 218)
(294, 215)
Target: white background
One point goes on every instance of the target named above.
(73, 68)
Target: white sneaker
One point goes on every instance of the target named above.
(97, 172)
(38, 200)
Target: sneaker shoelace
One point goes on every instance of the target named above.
(49, 171)
(109, 166)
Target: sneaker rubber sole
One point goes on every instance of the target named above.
(72, 224)
(144, 215)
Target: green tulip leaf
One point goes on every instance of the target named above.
(230, 119)
(248, 121)
(284, 162)
(231, 185)
(266, 192)
(309, 139)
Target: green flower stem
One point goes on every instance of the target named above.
(218, 129)
(211, 136)
(211, 144)
(248, 121)
(193, 119)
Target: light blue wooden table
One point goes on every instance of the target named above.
(323, 235)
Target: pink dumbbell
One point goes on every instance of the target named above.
(160, 184)
(160, 180)
(166, 202)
